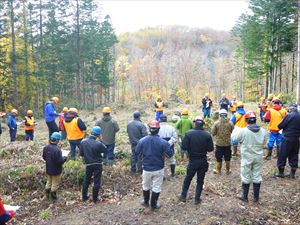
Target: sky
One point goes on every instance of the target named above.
(129, 16)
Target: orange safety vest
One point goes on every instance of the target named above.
(29, 121)
(159, 106)
(240, 120)
(275, 118)
(73, 131)
(234, 106)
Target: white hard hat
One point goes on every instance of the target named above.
(223, 112)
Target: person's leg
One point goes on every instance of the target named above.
(157, 179)
(110, 154)
(200, 180)
(86, 182)
(218, 155)
(294, 158)
(227, 157)
(73, 149)
(97, 181)
(55, 185)
(281, 160)
(190, 173)
(208, 113)
(256, 176)
(52, 126)
(172, 161)
(31, 135)
(48, 187)
(12, 134)
(246, 165)
(27, 135)
(133, 160)
(147, 181)
(270, 144)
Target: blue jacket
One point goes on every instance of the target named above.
(224, 103)
(50, 113)
(240, 111)
(153, 150)
(11, 122)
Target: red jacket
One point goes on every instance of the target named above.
(61, 123)
(5, 216)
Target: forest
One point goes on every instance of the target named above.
(69, 49)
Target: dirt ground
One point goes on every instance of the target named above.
(122, 194)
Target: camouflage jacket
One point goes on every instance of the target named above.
(221, 131)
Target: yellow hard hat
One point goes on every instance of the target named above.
(73, 110)
(279, 96)
(240, 104)
(14, 111)
(223, 95)
(55, 99)
(206, 94)
(276, 99)
(29, 112)
(65, 109)
(262, 98)
(159, 97)
(185, 111)
(270, 96)
(106, 110)
(234, 96)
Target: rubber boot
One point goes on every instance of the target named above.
(256, 189)
(293, 173)
(146, 195)
(218, 168)
(47, 191)
(234, 150)
(280, 172)
(154, 199)
(244, 195)
(228, 171)
(172, 170)
(53, 196)
(269, 154)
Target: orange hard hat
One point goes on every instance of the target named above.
(55, 99)
(29, 112)
(240, 104)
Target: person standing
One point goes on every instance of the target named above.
(136, 130)
(239, 121)
(262, 105)
(224, 102)
(221, 131)
(153, 150)
(54, 160)
(91, 150)
(252, 139)
(168, 133)
(12, 124)
(183, 125)
(197, 142)
(159, 107)
(274, 116)
(29, 125)
(289, 148)
(75, 129)
(109, 129)
(233, 105)
(50, 115)
(61, 123)
(206, 105)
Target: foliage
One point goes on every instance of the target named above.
(180, 170)
(74, 172)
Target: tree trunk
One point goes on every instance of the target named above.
(78, 72)
(13, 56)
(298, 53)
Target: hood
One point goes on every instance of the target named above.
(106, 118)
(50, 102)
(240, 111)
(69, 116)
(253, 127)
(277, 107)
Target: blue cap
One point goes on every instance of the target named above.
(136, 114)
(96, 130)
(55, 136)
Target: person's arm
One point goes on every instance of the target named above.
(210, 144)
(185, 144)
(168, 151)
(116, 126)
(267, 116)
(144, 131)
(138, 149)
(103, 148)
(214, 129)
(173, 138)
(233, 119)
(81, 149)
(51, 111)
(283, 124)
(59, 158)
(81, 124)
(237, 135)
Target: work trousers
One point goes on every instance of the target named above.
(153, 180)
(289, 149)
(53, 182)
(94, 171)
(52, 127)
(223, 152)
(136, 161)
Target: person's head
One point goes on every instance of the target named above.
(106, 110)
(55, 100)
(96, 131)
(163, 118)
(14, 112)
(234, 97)
(270, 97)
(55, 137)
(262, 98)
(65, 109)
(276, 101)
(137, 115)
(185, 112)
(223, 95)
(223, 113)
(159, 98)
(240, 104)
(207, 95)
(279, 96)
(250, 117)
(29, 113)
(73, 110)
(154, 127)
(198, 122)
(293, 108)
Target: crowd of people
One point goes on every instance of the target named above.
(151, 146)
